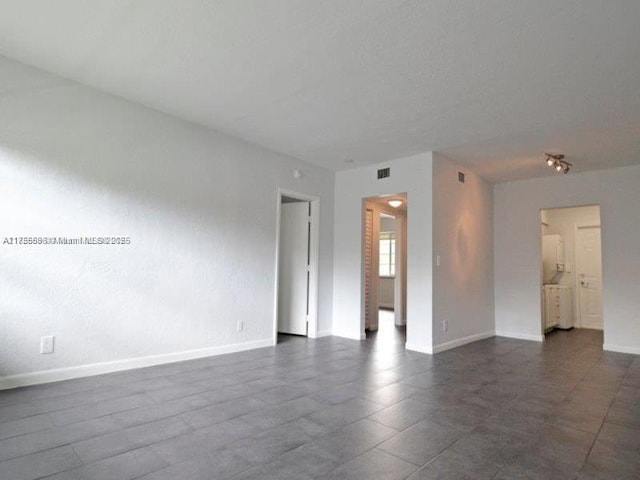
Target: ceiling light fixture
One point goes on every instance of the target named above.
(558, 162)
(395, 203)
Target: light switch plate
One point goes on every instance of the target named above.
(47, 344)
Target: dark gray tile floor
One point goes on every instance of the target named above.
(339, 409)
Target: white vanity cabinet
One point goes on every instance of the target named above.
(558, 307)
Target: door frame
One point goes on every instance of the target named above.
(314, 244)
(400, 294)
(400, 285)
(576, 299)
(575, 244)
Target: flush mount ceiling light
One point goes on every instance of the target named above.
(558, 162)
(395, 203)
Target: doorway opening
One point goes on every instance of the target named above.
(384, 269)
(297, 241)
(572, 273)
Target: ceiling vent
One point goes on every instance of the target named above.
(384, 173)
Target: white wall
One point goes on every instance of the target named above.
(200, 208)
(544, 221)
(517, 250)
(412, 175)
(463, 238)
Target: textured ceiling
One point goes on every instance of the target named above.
(491, 84)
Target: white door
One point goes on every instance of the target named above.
(293, 271)
(589, 277)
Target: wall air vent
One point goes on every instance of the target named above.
(384, 173)
(461, 177)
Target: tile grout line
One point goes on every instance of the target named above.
(604, 419)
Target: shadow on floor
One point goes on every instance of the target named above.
(388, 334)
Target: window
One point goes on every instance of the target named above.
(387, 254)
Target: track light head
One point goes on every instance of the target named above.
(558, 162)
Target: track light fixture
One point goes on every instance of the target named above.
(558, 162)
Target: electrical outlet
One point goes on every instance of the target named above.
(46, 344)
(437, 260)
(445, 325)
(240, 325)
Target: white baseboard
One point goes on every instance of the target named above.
(418, 348)
(57, 374)
(355, 336)
(462, 341)
(520, 336)
(323, 333)
(621, 349)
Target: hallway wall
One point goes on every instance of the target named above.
(463, 294)
(412, 175)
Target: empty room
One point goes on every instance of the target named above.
(319, 239)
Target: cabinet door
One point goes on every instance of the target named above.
(565, 317)
(552, 307)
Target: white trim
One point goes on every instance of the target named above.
(462, 341)
(312, 326)
(621, 349)
(415, 348)
(540, 282)
(520, 336)
(577, 290)
(324, 333)
(356, 336)
(57, 374)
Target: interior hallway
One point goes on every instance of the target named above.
(336, 408)
(388, 334)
